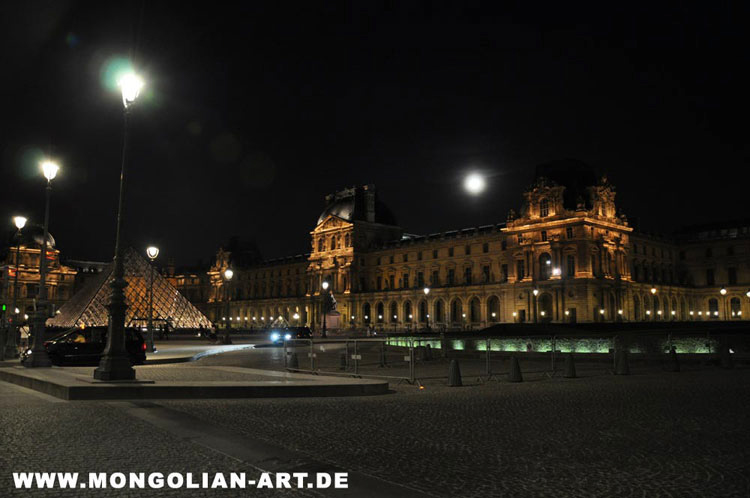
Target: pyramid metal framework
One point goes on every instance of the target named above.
(89, 306)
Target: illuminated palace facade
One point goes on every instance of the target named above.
(60, 279)
(568, 255)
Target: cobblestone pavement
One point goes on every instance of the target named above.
(42, 434)
(652, 433)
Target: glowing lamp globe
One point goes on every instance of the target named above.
(19, 221)
(130, 85)
(152, 252)
(228, 274)
(50, 170)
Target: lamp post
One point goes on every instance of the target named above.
(535, 292)
(11, 345)
(427, 305)
(152, 252)
(115, 362)
(324, 306)
(39, 357)
(228, 274)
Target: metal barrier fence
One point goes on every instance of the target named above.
(412, 359)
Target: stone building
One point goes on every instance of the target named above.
(60, 279)
(568, 255)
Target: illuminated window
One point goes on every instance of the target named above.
(544, 208)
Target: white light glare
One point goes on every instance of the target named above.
(475, 183)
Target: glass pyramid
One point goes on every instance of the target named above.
(89, 306)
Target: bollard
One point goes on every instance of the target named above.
(293, 361)
(674, 362)
(342, 361)
(621, 362)
(383, 358)
(454, 374)
(515, 371)
(725, 356)
(428, 352)
(570, 367)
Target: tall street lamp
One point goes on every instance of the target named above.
(152, 252)
(11, 342)
(535, 292)
(115, 363)
(324, 306)
(39, 357)
(427, 306)
(228, 274)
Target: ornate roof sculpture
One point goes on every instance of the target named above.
(89, 306)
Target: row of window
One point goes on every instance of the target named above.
(335, 242)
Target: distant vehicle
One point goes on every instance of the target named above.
(86, 347)
(278, 336)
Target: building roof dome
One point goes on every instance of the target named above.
(575, 175)
(358, 204)
(33, 236)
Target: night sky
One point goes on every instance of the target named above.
(253, 113)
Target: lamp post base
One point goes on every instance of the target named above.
(39, 359)
(115, 368)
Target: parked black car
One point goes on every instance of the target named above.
(86, 346)
(278, 336)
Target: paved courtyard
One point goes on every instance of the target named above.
(652, 433)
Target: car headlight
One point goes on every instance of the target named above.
(288, 336)
(274, 336)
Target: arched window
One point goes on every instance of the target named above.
(545, 266)
(393, 317)
(333, 243)
(422, 311)
(544, 208)
(475, 314)
(713, 308)
(493, 309)
(381, 312)
(439, 311)
(636, 308)
(736, 308)
(367, 312)
(407, 312)
(456, 311)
